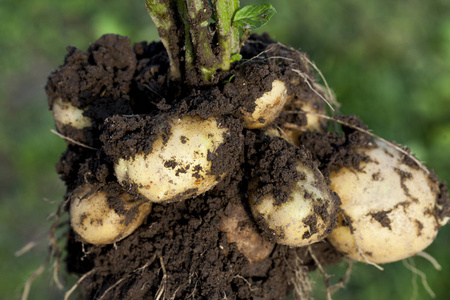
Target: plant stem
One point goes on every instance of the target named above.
(202, 36)
(225, 10)
(162, 14)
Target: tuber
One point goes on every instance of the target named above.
(100, 218)
(388, 207)
(179, 167)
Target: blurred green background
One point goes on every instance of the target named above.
(387, 61)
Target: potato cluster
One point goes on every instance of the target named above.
(179, 154)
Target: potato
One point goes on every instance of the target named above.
(65, 114)
(178, 168)
(311, 108)
(94, 219)
(388, 207)
(241, 230)
(308, 215)
(268, 106)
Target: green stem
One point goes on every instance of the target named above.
(228, 37)
(197, 47)
(162, 14)
(200, 14)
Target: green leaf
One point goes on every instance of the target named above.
(230, 79)
(235, 57)
(251, 17)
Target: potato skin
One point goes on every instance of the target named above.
(268, 106)
(179, 167)
(93, 219)
(65, 114)
(241, 230)
(308, 215)
(388, 205)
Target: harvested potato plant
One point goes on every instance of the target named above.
(183, 126)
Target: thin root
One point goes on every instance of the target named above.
(26, 248)
(247, 282)
(331, 97)
(162, 287)
(331, 289)
(431, 259)
(37, 273)
(409, 264)
(307, 80)
(325, 275)
(366, 260)
(285, 136)
(303, 286)
(118, 282)
(344, 279)
(293, 126)
(54, 252)
(74, 287)
(71, 140)
(56, 265)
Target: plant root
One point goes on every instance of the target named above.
(162, 286)
(54, 252)
(303, 285)
(331, 288)
(70, 140)
(431, 259)
(410, 265)
(308, 82)
(36, 274)
(247, 282)
(74, 287)
(396, 147)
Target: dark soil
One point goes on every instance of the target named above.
(180, 252)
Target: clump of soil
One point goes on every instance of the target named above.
(180, 252)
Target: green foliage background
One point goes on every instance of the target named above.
(387, 61)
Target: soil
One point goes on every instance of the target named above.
(180, 251)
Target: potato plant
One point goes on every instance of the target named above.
(208, 169)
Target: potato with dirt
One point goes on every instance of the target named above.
(101, 218)
(291, 200)
(388, 206)
(179, 165)
(180, 189)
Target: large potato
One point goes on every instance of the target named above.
(179, 167)
(388, 207)
(94, 218)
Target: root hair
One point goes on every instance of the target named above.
(410, 265)
(396, 147)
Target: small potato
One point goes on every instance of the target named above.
(314, 122)
(242, 231)
(96, 222)
(268, 106)
(178, 168)
(308, 215)
(388, 207)
(66, 114)
(311, 108)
